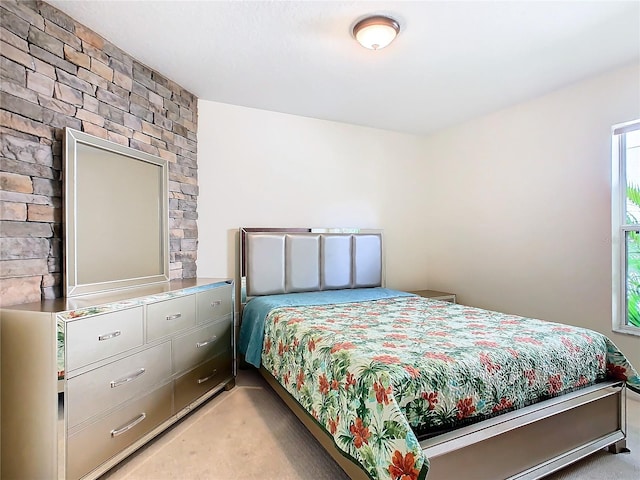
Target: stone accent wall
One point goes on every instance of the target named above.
(56, 73)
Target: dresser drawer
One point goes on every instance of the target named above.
(105, 387)
(214, 304)
(199, 381)
(90, 339)
(196, 347)
(93, 445)
(170, 316)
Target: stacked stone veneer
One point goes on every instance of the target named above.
(56, 73)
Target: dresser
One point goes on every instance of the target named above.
(88, 380)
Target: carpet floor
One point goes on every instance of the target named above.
(249, 433)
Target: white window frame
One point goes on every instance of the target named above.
(619, 227)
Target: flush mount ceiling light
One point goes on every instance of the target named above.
(376, 32)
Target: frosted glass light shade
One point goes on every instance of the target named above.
(375, 33)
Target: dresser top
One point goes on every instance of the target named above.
(85, 301)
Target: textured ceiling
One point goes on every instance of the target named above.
(452, 61)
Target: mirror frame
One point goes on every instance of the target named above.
(72, 285)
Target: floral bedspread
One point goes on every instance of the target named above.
(378, 374)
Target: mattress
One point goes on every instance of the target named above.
(380, 369)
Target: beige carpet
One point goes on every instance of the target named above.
(248, 433)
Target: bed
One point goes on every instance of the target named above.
(396, 386)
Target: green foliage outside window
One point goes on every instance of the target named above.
(633, 260)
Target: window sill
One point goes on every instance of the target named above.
(627, 329)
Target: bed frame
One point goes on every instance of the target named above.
(524, 444)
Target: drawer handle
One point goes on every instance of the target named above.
(216, 303)
(107, 336)
(175, 316)
(206, 379)
(207, 342)
(130, 378)
(129, 426)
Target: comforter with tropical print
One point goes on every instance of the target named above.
(379, 374)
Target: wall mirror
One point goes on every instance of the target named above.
(115, 216)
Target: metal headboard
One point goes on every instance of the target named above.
(278, 261)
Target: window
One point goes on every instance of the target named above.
(625, 219)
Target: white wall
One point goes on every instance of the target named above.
(510, 211)
(523, 195)
(266, 169)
